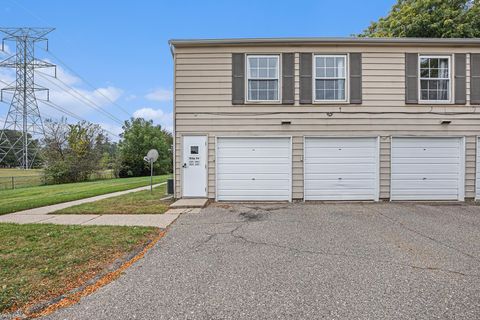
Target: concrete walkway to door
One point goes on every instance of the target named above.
(42, 214)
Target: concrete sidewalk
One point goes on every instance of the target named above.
(41, 215)
(60, 206)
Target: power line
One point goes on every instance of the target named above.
(71, 114)
(61, 109)
(41, 20)
(89, 84)
(80, 97)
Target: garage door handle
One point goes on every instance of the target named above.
(339, 178)
(424, 178)
(253, 178)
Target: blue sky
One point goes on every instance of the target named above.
(120, 47)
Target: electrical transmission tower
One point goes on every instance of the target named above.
(23, 127)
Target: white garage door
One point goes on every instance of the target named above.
(341, 168)
(477, 182)
(427, 168)
(254, 169)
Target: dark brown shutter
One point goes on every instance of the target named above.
(288, 78)
(238, 78)
(355, 78)
(475, 78)
(306, 78)
(460, 78)
(411, 78)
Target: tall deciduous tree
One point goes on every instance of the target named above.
(429, 19)
(72, 152)
(139, 136)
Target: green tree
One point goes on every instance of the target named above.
(72, 152)
(139, 136)
(429, 19)
(10, 160)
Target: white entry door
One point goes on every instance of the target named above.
(341, 168)
(194, 166)
(254, 169)
(427, 168)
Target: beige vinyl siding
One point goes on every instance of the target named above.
(203, 106)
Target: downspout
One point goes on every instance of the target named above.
(174, 151)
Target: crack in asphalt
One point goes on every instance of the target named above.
(233, 233)
(243, 238)
(401, 224)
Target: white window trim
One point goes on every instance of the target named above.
(279, 77)
(347, 79)
(450, 80)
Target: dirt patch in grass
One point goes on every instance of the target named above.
(140, 202)
(40, 262)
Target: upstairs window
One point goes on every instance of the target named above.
(435, 84)
(330, 76)
(263, 78)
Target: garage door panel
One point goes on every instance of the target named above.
(426, 168)
(425, 160)
(429, 142)
(253, 142)
(330, 195)
(421, 184)
(340, 152)
(325, 142)
(254, 160)
(254, 152)
(264, 184)
(279, 192)
(335, 161)
(427, 196)
(429, 176)
(341, 168)
(419, 168)
(333, 176)
(251, 197)
(332, 184)
(425, 152)
(258, 176)
(253, 169)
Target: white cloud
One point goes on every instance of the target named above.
(113, 130)
(160, 94)
(6, 49)
(157, 115)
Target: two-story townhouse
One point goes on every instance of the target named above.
(326, 119)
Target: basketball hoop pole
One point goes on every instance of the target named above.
(151, 176)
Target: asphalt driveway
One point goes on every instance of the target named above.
(303, 261)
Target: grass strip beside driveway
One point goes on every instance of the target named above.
(39, 262)
(140, 202)
(34, 197)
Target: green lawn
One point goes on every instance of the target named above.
(40, 262)
(21, 178)
(133, 203)
(4, 172)
(33, 197)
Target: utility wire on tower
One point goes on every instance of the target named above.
(23, 119)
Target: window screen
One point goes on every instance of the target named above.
(263, 78)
